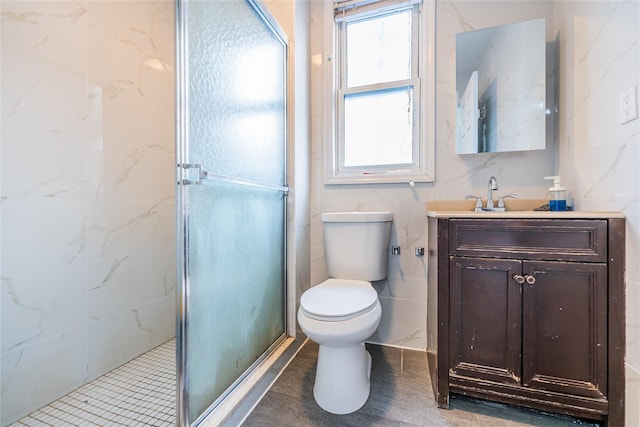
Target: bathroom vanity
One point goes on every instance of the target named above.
(527, 308)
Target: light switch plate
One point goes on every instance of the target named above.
(629, 105)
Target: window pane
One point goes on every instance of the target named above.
(378, 128)
(379, 49)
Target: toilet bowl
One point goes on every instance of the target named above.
(344, 366)
(342, 312)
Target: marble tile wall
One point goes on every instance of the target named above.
(403, 293)
(87, 213)
(293, 17)
(599, 53)
(596, 58)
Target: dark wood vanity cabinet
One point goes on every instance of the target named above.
(529, 312)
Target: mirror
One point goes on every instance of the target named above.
(500, 87)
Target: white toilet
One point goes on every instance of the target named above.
(343, 311)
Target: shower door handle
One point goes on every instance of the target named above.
(202, 175)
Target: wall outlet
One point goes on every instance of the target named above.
(629, 105)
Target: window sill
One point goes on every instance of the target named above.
(381, 178)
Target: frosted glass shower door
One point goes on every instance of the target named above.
(232, 196)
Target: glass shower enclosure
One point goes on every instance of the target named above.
(232, 190)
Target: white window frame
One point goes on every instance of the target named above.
(424, 105)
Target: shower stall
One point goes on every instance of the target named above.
(94, 271)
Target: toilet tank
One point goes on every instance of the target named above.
(356, 244)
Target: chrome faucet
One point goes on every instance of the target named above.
(493, 185)
(491, 206)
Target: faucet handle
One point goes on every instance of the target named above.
(478, 201)
(501, 199)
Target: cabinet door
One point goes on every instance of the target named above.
(485, 319)
(565, 328)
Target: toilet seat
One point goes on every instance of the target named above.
(336, 300)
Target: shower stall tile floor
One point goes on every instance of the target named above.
(141, 392)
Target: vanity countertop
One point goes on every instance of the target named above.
(518, 208)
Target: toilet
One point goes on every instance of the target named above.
(342, 312)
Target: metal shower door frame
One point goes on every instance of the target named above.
(184, 179)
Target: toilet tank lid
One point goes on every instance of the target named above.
(356, 217)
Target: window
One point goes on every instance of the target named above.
(382, 92)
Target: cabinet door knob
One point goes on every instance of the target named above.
(518, 278)
(530, 279)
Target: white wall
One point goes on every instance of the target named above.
(88, 246)
(403, 294)
(599, 157)
(293, 17)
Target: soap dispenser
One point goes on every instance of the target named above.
(557, 195)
